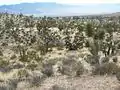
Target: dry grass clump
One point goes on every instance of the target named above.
(8, 75)
(66, 65)
(32, 65)
(72, 66)
(37, 78)
(13, 57)
(47, 69)
(92, 59)
(106, 68)
(57, 87)
(4, 65)
(22, 85)
(49, 63)
(21, 73)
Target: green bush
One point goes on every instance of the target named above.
(115, 59)
(24, 58)
(1, 54)
(21, 74)
(104, 59)
(3, 63)
(31, 66)
(13, 57)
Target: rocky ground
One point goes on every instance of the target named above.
(80, 83)
(69, 61)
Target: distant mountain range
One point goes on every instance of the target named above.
(114, 14)
(55, 9)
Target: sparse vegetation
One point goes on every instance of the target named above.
(63, 45)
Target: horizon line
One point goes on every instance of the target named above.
(64, 3)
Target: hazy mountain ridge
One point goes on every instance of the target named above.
(55, 9)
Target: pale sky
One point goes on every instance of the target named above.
(84, 6)
(2, 2)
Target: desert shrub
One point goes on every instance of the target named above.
(1, 54)
(92, 59)
(73, 43)
(47, 69)
(47, 66)
(7, 86)
(99, 34)
(17, 65)
(13, 57)
(57, 87)
(48, 37)
(118, 46)
(80, 69)
(60, 47)
(72, 67)
(39, 58)
(72, 70)
(3, 63)
(106, 68)
(27, 56)
(15, 49)
(104, 60)
(115, 59)
(32, 65)
(22, 73)
(31, 54)
(37, 78)
(89, 30)
(87, 44)
(41, 48)
(23, 53)
(24, 58)
(53, 60)
(118, 75)
(4, 44)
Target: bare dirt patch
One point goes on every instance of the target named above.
(81, 83)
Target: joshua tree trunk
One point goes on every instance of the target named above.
(109, 48)
(46, 48)
(108, 52)
(113, 51)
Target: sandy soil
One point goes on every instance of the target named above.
(81, 83)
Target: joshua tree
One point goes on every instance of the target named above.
(89, 30)
(48, 38)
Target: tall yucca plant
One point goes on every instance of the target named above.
(89, 30)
